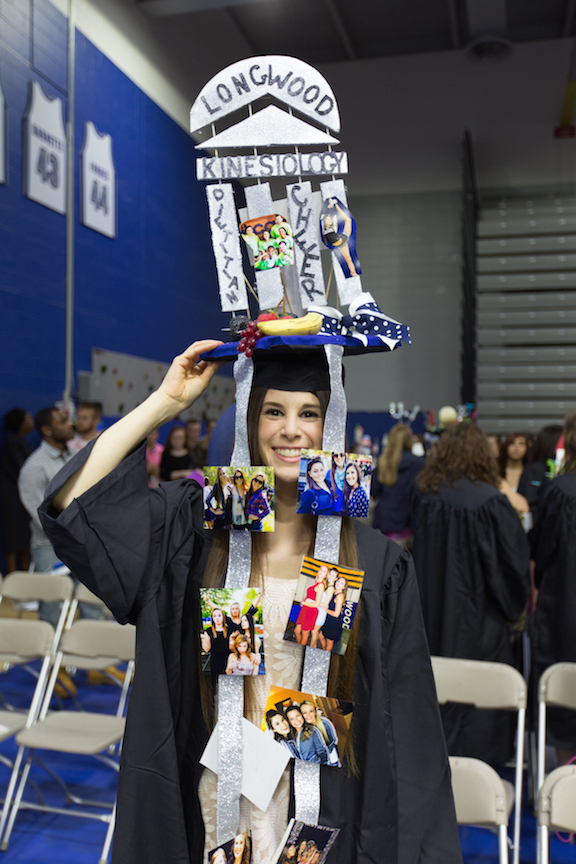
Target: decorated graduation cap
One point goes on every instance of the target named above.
(297, 340)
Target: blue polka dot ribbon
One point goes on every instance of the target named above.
(365, 323)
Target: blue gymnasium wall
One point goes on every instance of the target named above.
(152, 290)
(149, 292)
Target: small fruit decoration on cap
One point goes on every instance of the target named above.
(269, 324)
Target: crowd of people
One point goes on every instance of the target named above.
(25, 474)
(491, 524)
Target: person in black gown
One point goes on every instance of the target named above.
(534, 478)
(471, 556)
(144, 552)
(15, 518)
(553, 625)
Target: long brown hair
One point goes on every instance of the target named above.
(317, 719)
(168, 443)
(463, 451)
(213, 625)
(399, 439)
(503, 455)
(341, 675)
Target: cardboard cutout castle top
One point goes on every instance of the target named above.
(288, 244)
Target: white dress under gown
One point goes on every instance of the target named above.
(283, 668)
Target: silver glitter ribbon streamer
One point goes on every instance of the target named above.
(230, 713)
(231, 689)
(326, 548)
(243, 373)
(307, 790)
(335, 419)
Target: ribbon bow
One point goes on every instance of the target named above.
(365, 323)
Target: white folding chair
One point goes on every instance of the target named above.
(23, 641)
(490, 686)
(557, 687)
(481, 798)
(556, 807)
(86, 645)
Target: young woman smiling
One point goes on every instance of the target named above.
(147, 560)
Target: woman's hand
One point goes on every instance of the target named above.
(186, 379)
(188, 376)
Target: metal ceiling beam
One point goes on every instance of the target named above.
(341, 29)
(168, 8)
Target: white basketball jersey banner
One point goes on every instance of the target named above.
(98, 182)
(45, 150)
(2, 135)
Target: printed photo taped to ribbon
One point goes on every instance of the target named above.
(269, 239)
(232, 633)
(305, 843)
(312, 728)
(325, 604)
(239, 498)
(235, 851)
(338, 233)
(334, 484)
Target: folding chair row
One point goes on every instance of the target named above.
(85, 644)
(556, 807)
(556, 688)
(481, 797)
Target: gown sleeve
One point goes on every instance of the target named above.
(118, 536)
(427, 829)
(546, 534)
(505, 553)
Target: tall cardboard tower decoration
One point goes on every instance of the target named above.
(292, 136)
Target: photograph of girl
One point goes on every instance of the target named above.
(311, 728)
(305, 844)
(235, 851)
(239, 498)
(334, 484)
(338, 233)
(324, 605)
(269, 239)
(231, 635)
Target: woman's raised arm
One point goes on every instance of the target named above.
(186, 379)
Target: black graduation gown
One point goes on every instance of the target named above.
(143, 552)
(533, 482)
(471, 557)
(15, 517)
(553, 625)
